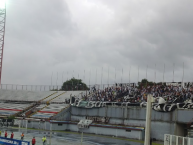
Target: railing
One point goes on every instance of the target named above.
(29, 87)
(177, 140)
(76, 87)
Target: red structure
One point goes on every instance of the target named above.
(2, 36)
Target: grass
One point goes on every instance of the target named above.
(70, 132)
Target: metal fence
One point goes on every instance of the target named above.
(177, 140)
(75, 87)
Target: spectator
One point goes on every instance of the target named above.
(124, 93)
(33, 141)
(6, 134)
(12, 134)
(22, 136)
(44, 140)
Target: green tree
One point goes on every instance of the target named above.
(145, 83)
(74, 84)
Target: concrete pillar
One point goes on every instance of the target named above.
(148, 120)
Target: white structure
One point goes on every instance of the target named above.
(150, 100)
(177, 140)
(84, 123)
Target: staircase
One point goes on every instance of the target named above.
(55, 97)
(48, 102)
(47, 97)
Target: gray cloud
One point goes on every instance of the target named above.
(65, 36)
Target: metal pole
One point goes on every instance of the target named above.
(146, 71)
(122, 76)
(51, 78)
(101, 77)
(62, 78)
(19, 125)
(129, 74)
(138, 74)
(89, 77)
(50, 133)
(108, 76)
(183, 76)
(155, 74)
(26, 126)
(67, 75)
(81, 138)
(163, 72)
(173, 71)
(96, 77)
(115, 75)
(57, 80)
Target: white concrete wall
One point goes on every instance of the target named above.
(102, 131)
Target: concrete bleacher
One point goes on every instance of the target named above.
(55, 95)
(20, 95)
(7, 109)
(35, 104)
(49, 111)
(66, 95)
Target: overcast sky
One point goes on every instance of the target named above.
(72, 36)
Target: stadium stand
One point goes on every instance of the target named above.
(49, 111)
(18, 95)
(7, 109)
(67, 95)
(35, 104)
(56, 94)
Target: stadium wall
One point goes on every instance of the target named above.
(162, 122)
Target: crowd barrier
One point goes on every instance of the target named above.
(177, 140)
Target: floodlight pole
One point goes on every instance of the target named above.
(2, 36)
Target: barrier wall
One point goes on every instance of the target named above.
(8, 141)
(119, 114)
(162, 122)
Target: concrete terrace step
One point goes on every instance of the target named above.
(56, 96)
(21, 95)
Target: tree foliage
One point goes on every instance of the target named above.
(74, 84)
(145, 83)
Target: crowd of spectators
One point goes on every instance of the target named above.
(136, 94)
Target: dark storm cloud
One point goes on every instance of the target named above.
(71, 36)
